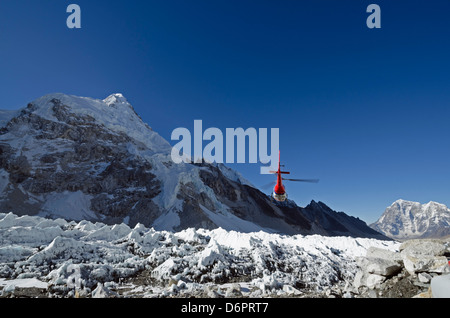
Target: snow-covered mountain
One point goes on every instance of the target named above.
(81, 158)
(408, 220)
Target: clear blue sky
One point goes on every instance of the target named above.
(367, 111)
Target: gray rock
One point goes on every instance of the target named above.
(359, 279)
(425, 263)
(383, 267)
(103, 292)
(374, 280)
(376, 252)
(212, 291)
(234, 291)
(380, 266)
(424, 277)
(8, 289)
(366, 279)
(424, 256)
(372, 294)
(423, 247)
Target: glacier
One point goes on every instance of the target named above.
(144, 262)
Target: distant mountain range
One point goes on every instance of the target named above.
(81, 158)
(409, 220)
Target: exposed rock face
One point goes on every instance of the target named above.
(337, 223)
(408, 220)
(80, 158)
(46, 159)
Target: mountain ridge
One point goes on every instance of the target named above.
(412, 220)
(69, 156)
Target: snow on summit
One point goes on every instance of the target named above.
(114, 112)
(408, 219)
(115, 99)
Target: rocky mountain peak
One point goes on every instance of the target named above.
(115, 99)
(408, 219)
(318, 205)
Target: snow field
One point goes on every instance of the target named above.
(83, 254)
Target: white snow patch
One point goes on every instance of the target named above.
(169, 220)
(23, 283)
(229, 221)
(68, 205)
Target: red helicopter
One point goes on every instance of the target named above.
(279, 192)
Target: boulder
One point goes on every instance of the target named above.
(359, 279)
(234, 291)
(373, 280)
(363, 278)
(426, 263)
(211, 291)
(376, 266)
(381, 266)
(424, 256)
(376, 252)
(424, 277)
(103, 292)
(407, 273)
(423, 247)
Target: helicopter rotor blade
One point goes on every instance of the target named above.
(269, 185)
(303, 180)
